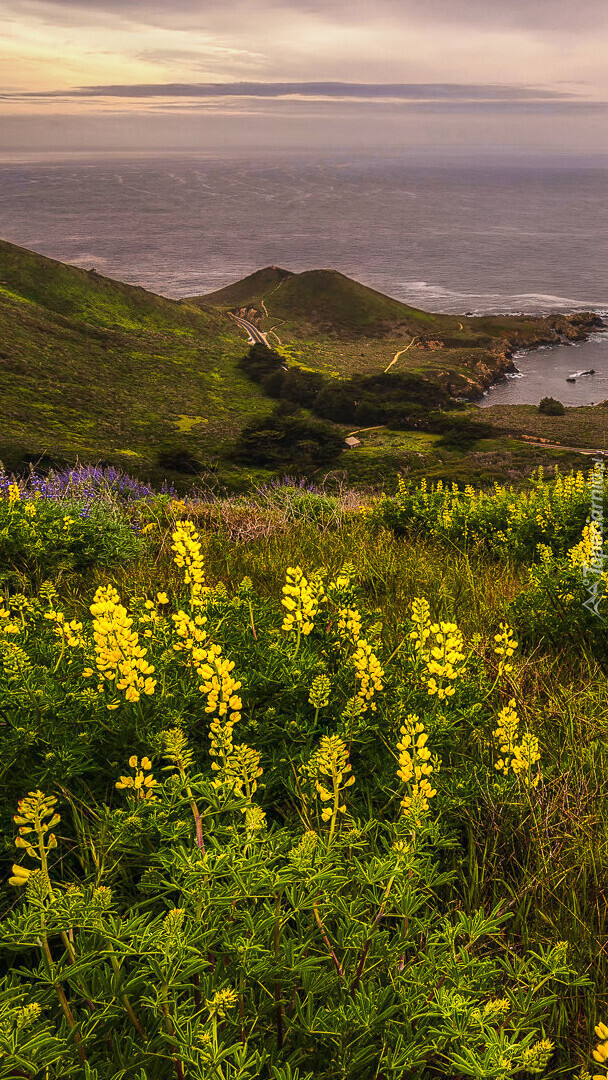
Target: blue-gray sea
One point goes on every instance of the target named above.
(477, 237)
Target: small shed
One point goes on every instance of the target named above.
(351, 442)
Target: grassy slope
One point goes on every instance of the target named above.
(582, 426)
(99, 369)
(249, 290)
(93, 367)
(326, 321)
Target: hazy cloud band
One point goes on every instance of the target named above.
(440, 92)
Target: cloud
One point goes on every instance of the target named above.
(551, 16)
(339, 91)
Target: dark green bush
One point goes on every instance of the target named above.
(399, 401)
(459, 431)
(296, 385)
(179, 459)
(261, 362)
(550, 406)
(289, 439)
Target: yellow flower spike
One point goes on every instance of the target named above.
(421, 617)
(504, 648)
(414, 768)
(521, 755)
(349, 623)
(162, 598)
(319, 692)
(36, 816)
(301, 600)
(221, 1001)
(188, 557)
(369, 674)
(444, 659)
(601, 1030)
(120, 659)
(241, 771)
(189, 631)
(327, 768)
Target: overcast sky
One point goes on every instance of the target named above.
(515, 75)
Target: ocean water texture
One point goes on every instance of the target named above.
(476, 238)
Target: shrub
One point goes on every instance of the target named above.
(232, 839)
(261, 362)
(179, 459)
(399, 401)
(459, 431)
(40, 537)
(566, 599)
(296, 385)
(550, 406)
(550, 512)
(289, 440)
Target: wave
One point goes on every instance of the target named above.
(493, 302)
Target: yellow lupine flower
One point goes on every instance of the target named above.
(141, 782)
(444, 664)
(349, 623)
(119, 659)
(504, 648)
(319, 693)
(301, 600)
(520, 755)
(369, 675)
(189, 558)
(415, 766)
(332, 774)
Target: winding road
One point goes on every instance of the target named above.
(254, 336)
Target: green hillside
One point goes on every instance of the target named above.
(250, 291)
(327, 302)
(100, 370)
(93, 367)
(326, 321)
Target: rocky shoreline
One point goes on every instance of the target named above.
(560, 330)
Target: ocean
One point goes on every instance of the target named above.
(485, 237)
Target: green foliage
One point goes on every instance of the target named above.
(261, 362)
(179, 459)
(288, 439)
(94, 369)
(73, 340)
(459, 431)
(41, 537)
(565, 600)
(550, 512)
(296, 823)
(551, 407)
(399, 401)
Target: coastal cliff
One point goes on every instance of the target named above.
(485, 367)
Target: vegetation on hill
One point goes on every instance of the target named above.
(301, 788)
(94, 369)
(330, 302)
(249, 290)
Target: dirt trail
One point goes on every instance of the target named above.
(400, 353)
(556, 446)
